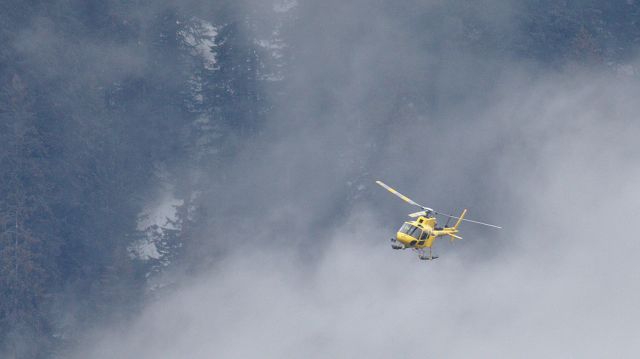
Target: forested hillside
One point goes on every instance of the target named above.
(124, 123)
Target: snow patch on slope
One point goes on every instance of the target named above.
(200, 35)
(272, 45)
(157, 215)
(284, 5)
(161, 213)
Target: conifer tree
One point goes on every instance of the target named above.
(28, 230)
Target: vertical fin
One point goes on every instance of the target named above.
(460, 219)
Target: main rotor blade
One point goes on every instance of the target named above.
(403, 197)
(418, 214)
(469, 220)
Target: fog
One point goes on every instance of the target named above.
(558, 281)
(549, 154)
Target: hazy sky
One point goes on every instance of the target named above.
(376, 92)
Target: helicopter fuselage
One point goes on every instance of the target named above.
(421, 233)
(418, 233)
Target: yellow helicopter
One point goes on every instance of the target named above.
(422, 232)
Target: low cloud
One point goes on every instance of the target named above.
(558, 281)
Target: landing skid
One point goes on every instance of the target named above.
(396, 245)
(423, 255)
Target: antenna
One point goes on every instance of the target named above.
(446, 225)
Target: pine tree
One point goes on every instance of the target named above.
(27, 228)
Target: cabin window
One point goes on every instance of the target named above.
(424, 235)
(406, 228)
(411, 230)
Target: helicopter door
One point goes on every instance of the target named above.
(415, 233)
(423, 238)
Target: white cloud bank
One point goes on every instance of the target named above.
(562, 283)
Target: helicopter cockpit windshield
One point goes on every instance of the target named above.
(411, 230)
